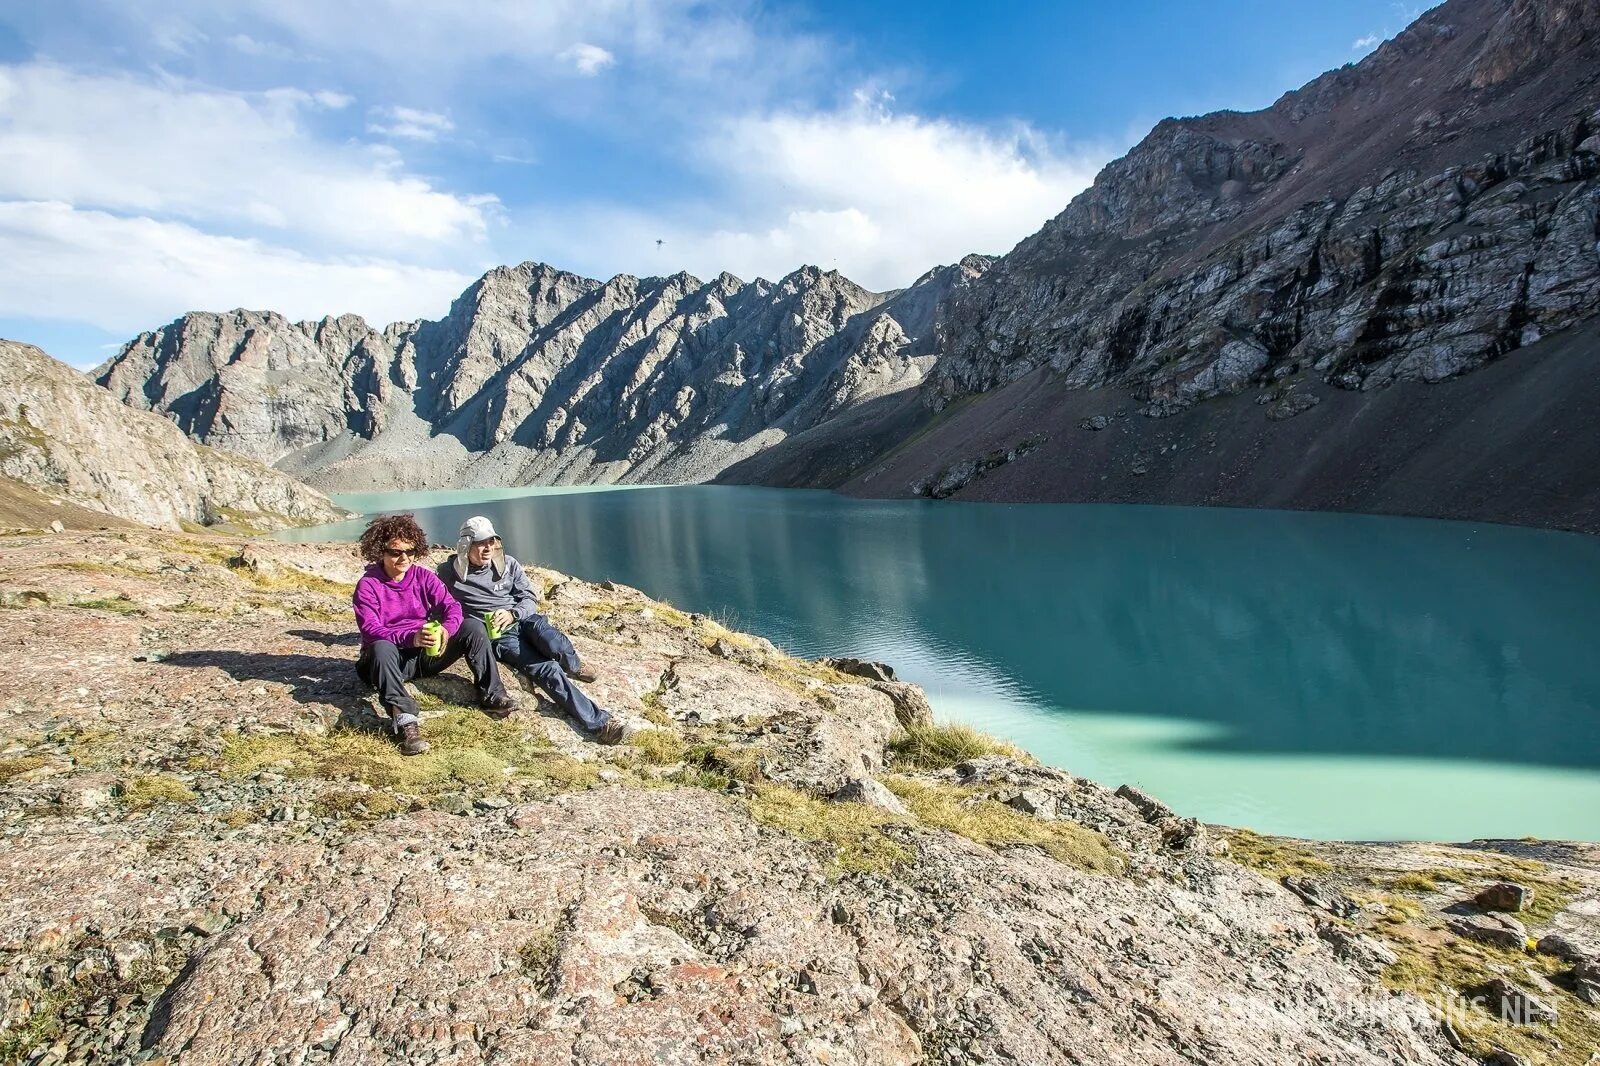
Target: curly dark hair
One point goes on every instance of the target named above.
(386, 527)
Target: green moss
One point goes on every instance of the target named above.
(966, 812)
(1274, 856)
(854, 830)
(469, 751)
(936, 747)
(150, 790)
(356, 804)
(118, 604)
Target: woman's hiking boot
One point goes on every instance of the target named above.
(411, 742)
(582, 673)
(612, 732)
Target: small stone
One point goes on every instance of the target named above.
(1497, 929)
(57, 527)
(1152, 809)
(1033, 801)
(259, 690)
(1501, 1057)
(1504, 896)
(452, 803)
(491, 803)
(872, 793)
(208, 924)
(124, 955)
(1094, 423)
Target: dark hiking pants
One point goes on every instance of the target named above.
(544, 653)
(387, 667)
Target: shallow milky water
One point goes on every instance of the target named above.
(1337, 676)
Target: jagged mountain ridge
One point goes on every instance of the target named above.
(538, 375)
(1409, 217)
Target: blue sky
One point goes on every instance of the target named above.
(328, 156)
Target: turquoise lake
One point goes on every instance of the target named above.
(1321, 675)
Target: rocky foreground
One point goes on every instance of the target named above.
(212, 855)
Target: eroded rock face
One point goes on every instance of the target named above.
(1410, 217)
(62, 435)
(537, 375)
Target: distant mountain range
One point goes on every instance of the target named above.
(1380, 293)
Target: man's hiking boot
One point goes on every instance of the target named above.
(411, 742)
(612, 732)
(582, 673)
(501, 706)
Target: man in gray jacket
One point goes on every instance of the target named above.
(492, 586)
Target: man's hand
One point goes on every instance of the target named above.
(504, 620)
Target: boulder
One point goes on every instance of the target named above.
(871, 792)
(1504, 896)
(1498, 929)
(867, 668)
(1152, 809)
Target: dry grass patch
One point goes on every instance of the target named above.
(16, 766)
(1273, 856)
(151, 790)
(470, 752)
(661, 747)
(854, 830)
(937, 747)
(968, 813)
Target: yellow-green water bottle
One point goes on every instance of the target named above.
(489, 623)
(432, 639)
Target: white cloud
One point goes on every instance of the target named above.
(216, 159)
(409, 123)
(133, 274)
(877, 195)
(250, 46)
(1367, 43)
(589, 59)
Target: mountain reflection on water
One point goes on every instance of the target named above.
(1326, 675)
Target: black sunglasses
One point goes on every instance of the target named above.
(400, 553)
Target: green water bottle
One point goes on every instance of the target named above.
(432, 639)
(489, 624)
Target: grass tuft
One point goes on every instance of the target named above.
(987, 821)
(150, 790)
(853, 829)
(659, 746)
(936, 747)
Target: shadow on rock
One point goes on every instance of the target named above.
(330, 640)
(319, 680)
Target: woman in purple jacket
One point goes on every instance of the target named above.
(394, 600)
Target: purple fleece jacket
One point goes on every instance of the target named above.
(395, 610)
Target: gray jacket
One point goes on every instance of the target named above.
(500, 585)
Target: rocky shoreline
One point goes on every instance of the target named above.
(212, 855)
